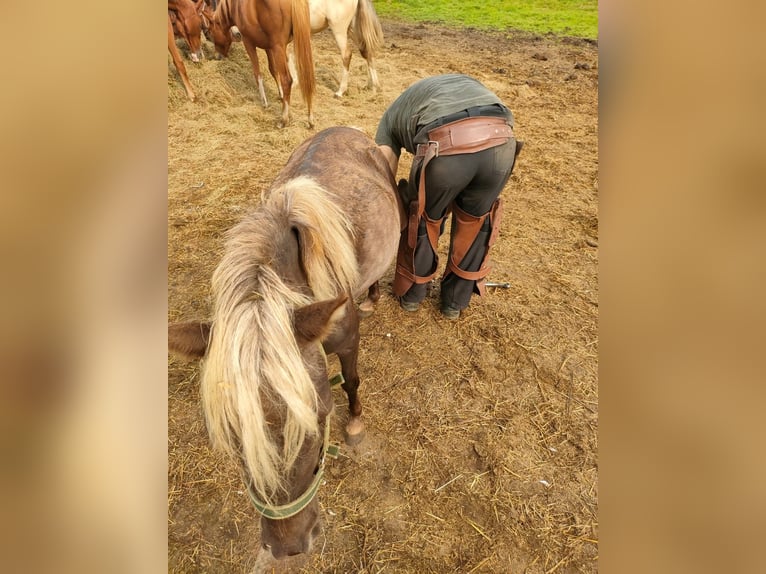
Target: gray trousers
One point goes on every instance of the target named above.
(474, 182)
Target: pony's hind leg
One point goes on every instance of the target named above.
(367, 306)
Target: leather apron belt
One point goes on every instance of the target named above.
(467, 135)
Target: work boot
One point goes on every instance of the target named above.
(450, 312)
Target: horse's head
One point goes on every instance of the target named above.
(188, 24)
(218, 28)
(289, 511)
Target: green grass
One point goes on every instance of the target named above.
(563, 17)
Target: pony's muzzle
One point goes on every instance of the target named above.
(281, 551)
(292, 536)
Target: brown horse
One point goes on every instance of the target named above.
(283, 297)
(179, 63)
(186, 17)
(270, 25)
(344, 16)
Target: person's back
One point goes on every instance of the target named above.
(426, 101)
(462, 137)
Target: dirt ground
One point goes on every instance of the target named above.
(481, 445)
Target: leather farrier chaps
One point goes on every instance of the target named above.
(467, 135)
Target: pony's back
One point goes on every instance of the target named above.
(347, 163)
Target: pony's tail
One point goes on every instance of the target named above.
(303, 56)
(367, 31)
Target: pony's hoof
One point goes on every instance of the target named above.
(354, 431)
(354, 439)
(338, 95)
(366, 308)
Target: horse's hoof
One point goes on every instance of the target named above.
(338, 95)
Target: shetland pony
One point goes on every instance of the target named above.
(283, 298)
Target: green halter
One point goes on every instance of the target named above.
(292, 508)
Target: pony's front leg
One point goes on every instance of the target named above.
(355, 427)
(252, 53)
(367, 306)
(344, 342)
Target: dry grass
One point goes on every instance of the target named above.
(480, 454)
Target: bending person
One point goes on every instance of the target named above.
(462, 138)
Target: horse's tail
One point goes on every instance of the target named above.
(303, 56)
(367, 31)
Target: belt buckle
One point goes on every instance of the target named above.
(436, 144)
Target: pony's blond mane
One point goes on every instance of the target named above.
(256, 390)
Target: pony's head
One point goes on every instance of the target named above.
(279, 291)
(187, 21)
(290, 455)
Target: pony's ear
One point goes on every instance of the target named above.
(189, 340)
(313, 322)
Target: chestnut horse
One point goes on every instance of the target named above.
(179, 63)
(270, 24)
(341, 16)
(283, 297)
(186, 17)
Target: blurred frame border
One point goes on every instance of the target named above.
(83, 391)
(83, 395)
(682, 236)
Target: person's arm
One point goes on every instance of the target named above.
(391, 158)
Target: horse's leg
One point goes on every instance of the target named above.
(291, 64)
(348, 364)
(278, 68)
(179, 62)
(367, 306)
(344, 342)
(340, 32)
(253, 54)
(372, 74)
